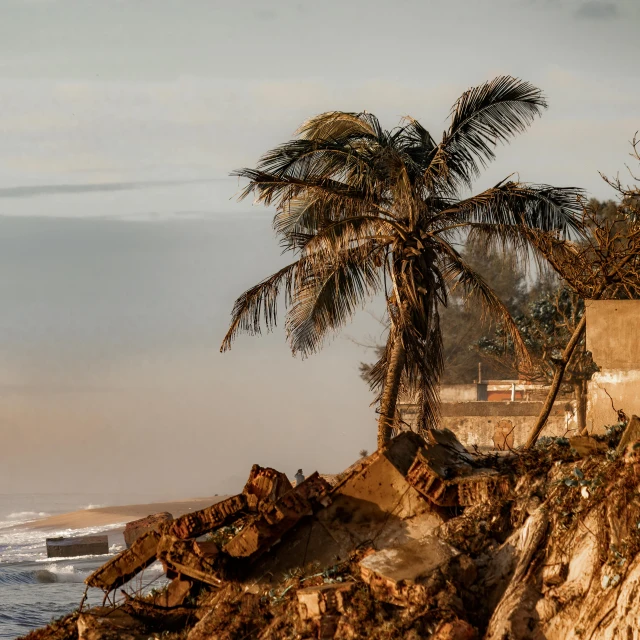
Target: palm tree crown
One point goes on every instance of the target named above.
(366, 210)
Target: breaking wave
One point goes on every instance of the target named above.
(48, 574)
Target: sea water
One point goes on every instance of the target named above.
(35, 589)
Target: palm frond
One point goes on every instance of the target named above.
(533, 206)
(481, 118)
(325, 300)
(338, 125)
(258, 305)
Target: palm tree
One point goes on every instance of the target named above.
(369, 211)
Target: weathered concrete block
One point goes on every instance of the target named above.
(481, 486)
(110, 624)
(265, 485)
(586, 445)
(78, 546)
(314, 602)
(192, 525)
(316, 490)
(127, 564)
(138, 528)
(197, 560)
(399, 574)
(431, 483)
(375, 500)
(174, 595)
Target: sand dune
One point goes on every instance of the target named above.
(105, 516)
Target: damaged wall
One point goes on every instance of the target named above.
(498, 425)
(612, 338)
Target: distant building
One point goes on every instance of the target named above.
(495, 414)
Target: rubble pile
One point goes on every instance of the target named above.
(422, 539)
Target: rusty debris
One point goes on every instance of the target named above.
(138, 528)
(422, 539)
(192, 525)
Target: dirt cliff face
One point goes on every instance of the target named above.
(420, 540)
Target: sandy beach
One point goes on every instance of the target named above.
(105, 516)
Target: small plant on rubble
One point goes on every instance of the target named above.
(368, 211)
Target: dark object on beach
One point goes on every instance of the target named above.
(80, 546)
(138, 528)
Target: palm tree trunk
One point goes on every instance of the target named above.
(557, 381)
(390, 392)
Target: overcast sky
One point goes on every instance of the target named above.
(127, 116)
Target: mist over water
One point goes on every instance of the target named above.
(110, 375)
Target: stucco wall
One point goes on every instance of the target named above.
(492, 425)
(458, 392)
(613, 337)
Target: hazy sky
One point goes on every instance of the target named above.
(119, 124)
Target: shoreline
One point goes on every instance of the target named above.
(114, 515)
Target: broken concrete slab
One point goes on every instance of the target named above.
(174, 595)
(399, 575)
(430, 481)
(101, 623)
(78, 546)
(120, 569)
(265, 485)
(314, 602)
(307, 542)
(482, 486)
(376, 500)
(290, 507)
(197, 560)
(316, 490)
(192, 525)
(137, 528)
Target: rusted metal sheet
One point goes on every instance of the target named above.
(138, 528)
(197, 560)
(127, 564)
(192, 525)
(265, 485)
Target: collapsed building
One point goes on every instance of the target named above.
(422, 539)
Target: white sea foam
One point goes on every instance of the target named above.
(27, 515)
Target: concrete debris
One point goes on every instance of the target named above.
(265, 485)
(138, 528)
(421, 539)
(192, 525)
(127, 564)
(191, 558)
(106, 624)
(315, 602)
(402, 575)
(78, 546)
(174, 595)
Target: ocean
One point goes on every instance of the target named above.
(35, 589)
